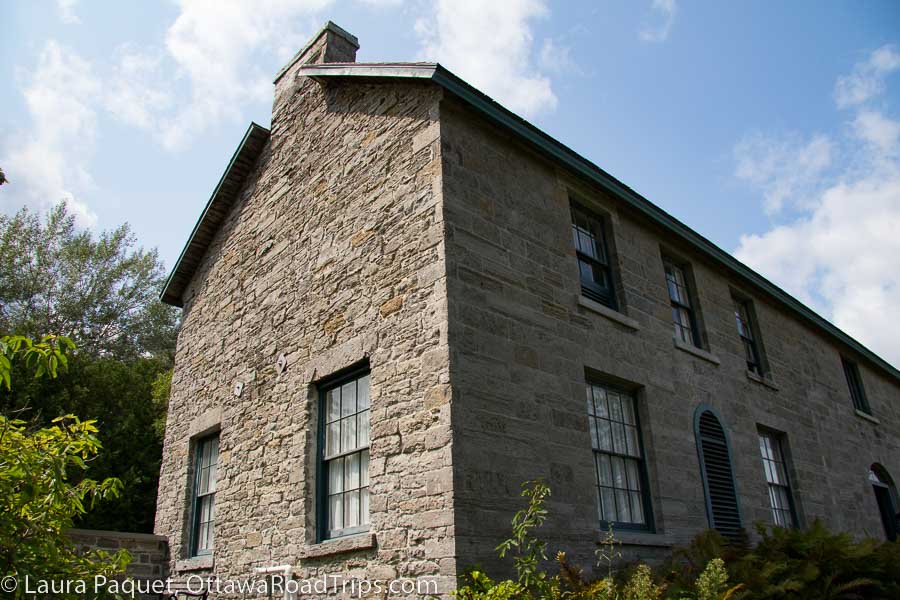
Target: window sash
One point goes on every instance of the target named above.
(854, 382)
(683, 319)
(619, 466)
(745, 332)
(204, 495)
(344, 498)
(594, 269)
(775, 468)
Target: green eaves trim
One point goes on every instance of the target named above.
(555, 149)
(196, 246)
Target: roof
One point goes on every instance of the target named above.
(217, 208)
(557, 151)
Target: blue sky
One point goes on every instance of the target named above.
(771, 128)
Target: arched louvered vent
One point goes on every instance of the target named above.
(718, 476)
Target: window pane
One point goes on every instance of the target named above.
(604, 470)
(609, 504)
(600, 401)
(631, 439)
(351, 509)
(634, 481)
(348, 399)
(628, 411)
(348, 433)
(333, 405)
(211, 486)
(362, 392)
(615, 407)
(618, 470)
(592, 426)
(590, 401)
(637, 509)
(333, 438)
(335, 512)
(619, 438)
(203, 537)
(604, 435)
(364, 506)
(362, 433)
(204, 481)
(623, 506)
(335, 476)
(364, 468)
(351, 472)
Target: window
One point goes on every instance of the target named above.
(743, 315)
(775, 466)
(593, 258)
(344, 457)
(204, 513)
(854, 381)
(618, 458)
(680, 298)
(718, 474)
(886, 497)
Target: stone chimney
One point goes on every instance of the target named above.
(330, 45)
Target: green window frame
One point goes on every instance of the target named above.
(684, 318)
(623, 499)
(592, 252)
(206, 458)
(781, 497)
(344, 432)
(854, 382)
(746, 328)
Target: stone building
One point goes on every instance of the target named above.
(396, 304)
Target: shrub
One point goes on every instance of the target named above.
(810, 564)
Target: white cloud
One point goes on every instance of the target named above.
(556, 58)
(867, 78)
(874, 128)
(490, 45)
(839, 254)
(66, 10)
(784, 167)
(136, 91)
(213, 43)
(47, 162)
(665, 11)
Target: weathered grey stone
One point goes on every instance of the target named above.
(386, 221)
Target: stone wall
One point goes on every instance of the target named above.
(150, 553)
(332, 255)
(521, 339)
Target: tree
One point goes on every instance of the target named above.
(38, 499)
(3, 178)
(100, 292)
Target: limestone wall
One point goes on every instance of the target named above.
(521, 340)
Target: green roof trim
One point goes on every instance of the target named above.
(219, 203)
(495, 112)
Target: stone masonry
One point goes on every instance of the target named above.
(387, 221)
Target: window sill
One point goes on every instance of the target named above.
(350, 543)
(864, 415)
(609, 313)
(637, 538)
(762, 380)
(195, 563)
(698, 352)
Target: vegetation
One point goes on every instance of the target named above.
(39, 498)
(811, 564)
(102, 294)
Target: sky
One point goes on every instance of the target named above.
(771, 128)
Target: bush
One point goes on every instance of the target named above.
(810, 564)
